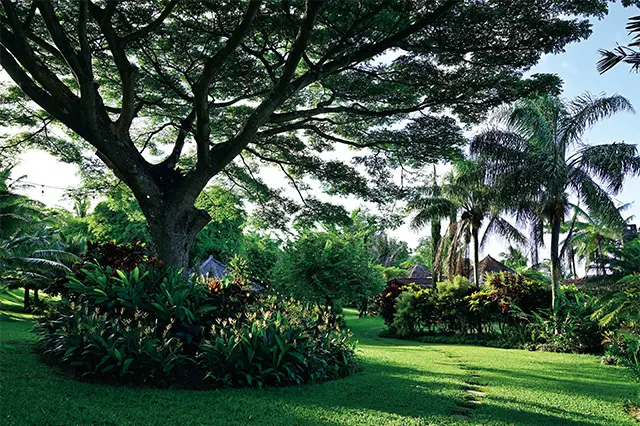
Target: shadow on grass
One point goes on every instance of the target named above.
(605, 384)
(383, 393)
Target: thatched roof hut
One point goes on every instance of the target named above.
(212, 268)
(489, 265)
(418, 274)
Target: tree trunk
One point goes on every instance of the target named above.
(27, 301)
(436, 229)
(600, 262)
(555, 263)
(476, 256)
(36, 295)
(534, 255)
(173, 231)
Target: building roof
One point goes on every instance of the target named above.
(212, 268)
(491, 266)
(419, 271)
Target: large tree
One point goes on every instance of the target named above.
(540, 161)
(170, 94)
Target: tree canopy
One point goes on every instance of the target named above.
(170, 94)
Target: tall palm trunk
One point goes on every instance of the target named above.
(436, 229)
(600, 262)
(555, 262)
(476, 256)
(27, 300)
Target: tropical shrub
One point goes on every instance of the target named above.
(571, 329)
(156, 326)
(385, 301)
(506, 299)
(456, 287)
(125, 257)
(621, 305)
(508, 312)
(623, 347)
(405, 318)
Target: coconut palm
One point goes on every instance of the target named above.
(540, 162)
(468, 202)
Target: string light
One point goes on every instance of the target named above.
(69, 189)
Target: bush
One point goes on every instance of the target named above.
(328, 269)
(405, 318)
(124, 257)
(572, 329)
(507, 300)
(385, 301)
(156, 326)
(512, 302)
(456, 287)
(623, 347)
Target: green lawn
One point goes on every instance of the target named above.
(402, 383)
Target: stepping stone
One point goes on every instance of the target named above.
(468, 405)
(476, 392)
(461, 416)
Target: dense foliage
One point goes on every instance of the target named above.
(328, 269)
(156, 326)
(508, 311)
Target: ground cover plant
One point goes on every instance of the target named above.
(423, 384)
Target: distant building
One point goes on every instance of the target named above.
(491, 266)
(418, 274)
(630, 231)
(212, 268)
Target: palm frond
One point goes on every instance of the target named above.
(41, 263)
(586, 110)
(611, 163)
(501, 227)
(597, 200)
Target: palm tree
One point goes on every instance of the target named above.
(539, 160)
(28, 255)
(627, 54)
(591, 236)
(467, 201)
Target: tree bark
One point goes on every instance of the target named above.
(476, 256)
(173, 230)
(555, 263)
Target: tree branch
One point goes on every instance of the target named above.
(233, 147)
(61, 39)
(211, 68)
(125, 69)
(153, 25)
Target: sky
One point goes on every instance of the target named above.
(576, 66)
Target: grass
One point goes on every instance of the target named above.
(402, 383)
